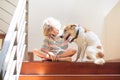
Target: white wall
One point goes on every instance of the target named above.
(88, 13)
(111, 33)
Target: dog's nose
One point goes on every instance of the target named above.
(60, 33)
(61, 36)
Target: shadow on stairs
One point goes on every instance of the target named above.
(69, 70)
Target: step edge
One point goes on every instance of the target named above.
(112, 75)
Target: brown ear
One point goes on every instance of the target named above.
(73, 26)
(86, 30)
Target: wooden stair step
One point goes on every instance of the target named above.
(70, 77)
(68, 68)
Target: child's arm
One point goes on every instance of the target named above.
(45, 49)
(45, 46)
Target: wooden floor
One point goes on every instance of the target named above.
(69, 70)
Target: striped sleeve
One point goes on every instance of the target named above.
(45, 44)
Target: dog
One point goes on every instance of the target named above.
(89, 45)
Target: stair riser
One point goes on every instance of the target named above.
(69, 68)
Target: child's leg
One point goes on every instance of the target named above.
(65, 59)
(65, 56)
(67, 53)
(40, 54)
(45, 56)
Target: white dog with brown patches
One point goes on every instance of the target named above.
(89, 45)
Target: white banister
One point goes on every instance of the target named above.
(7, 58)
(14, 46)
(19, 62)
(11, 71)
(8, 73)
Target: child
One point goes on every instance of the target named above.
(54, 47)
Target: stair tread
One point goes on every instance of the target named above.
(70, 68)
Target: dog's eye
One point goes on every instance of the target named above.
(65, 30)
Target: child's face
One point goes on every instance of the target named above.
(55, 31)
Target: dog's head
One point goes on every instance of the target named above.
(70, 32)
(70, 29)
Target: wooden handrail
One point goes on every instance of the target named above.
(2, 35)
(14, 46)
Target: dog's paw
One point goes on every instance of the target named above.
(99, 61)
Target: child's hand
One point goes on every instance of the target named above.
(50, 53)
(52, 56)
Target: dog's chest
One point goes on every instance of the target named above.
(80, 40)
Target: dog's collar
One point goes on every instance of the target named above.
(76, 36)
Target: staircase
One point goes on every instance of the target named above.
(7, 9)
(15, 47)
(69, 70)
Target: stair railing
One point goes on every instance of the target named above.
(14, 46)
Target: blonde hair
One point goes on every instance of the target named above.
(49, 24)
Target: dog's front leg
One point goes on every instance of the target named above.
(78, 54)
(83, 53)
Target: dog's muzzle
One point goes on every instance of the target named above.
(69, 38)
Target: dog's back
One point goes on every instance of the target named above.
(92, 38)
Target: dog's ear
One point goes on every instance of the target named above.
(73, 26)
(86, 29)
